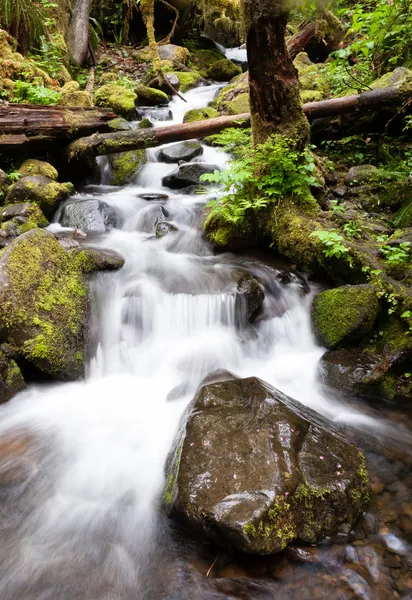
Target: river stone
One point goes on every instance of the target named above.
(355, 373)
(101, 259)
(43, 304)
(188, 174)
(361, 174)
(255, 470)
(163, 228)
(89, 215)
(183, 151)
(158, 114)
(40, 190)
(249, 299)
(154, 196)
(150, 218)
(11, 379)
(345, 315)
(173, 52)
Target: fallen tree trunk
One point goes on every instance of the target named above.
(109, 143)
(318, 39)
(33, 124)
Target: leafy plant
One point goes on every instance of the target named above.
(352, 229)
(260, 177)
(23, 19)
(403, 217)
(35, 94)
(13, 175)
(333, 243)
(336, 207)
(396, 255)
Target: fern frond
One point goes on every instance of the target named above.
(403, 217)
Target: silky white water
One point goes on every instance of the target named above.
(86, 524)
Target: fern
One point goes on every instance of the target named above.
(403, 217)
(24, 19)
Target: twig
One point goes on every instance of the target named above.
(167, 39)
(212, 565)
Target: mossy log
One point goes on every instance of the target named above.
(108, 143)
(318, 39)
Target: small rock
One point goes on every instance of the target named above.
(185, 151)
(188, 174)
(361, 174)
(89, 215)
(249, 299)
(150, 197)
(101, 259)
(163, 228)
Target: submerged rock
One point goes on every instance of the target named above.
(11, 379)
(249, 298)
(89, 215)
(40, 190)
(100, 259)
(254, 470)
(163, 228)
(344, 315)
(183, 151)
(43, 304)
(188, 174)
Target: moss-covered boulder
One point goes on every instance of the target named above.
(203, 59)
(20, 218)
(15, 66)
(174, 53)
(40, 190)
(400, 77)
(98, 259)
(200, 114)
(239, 105)
(43, 304)
(223, 70)
(119, 99)
(147, 96)
(188, 80)
(313, 82)
(254, 470)
(80, 99)
(125, 166)
(38, 167)
(240, 85)
(361, 174)
(11, 379)
(345, 315)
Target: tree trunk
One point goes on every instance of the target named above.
(79, 31)
(273, 80)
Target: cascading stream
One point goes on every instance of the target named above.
(86, 524)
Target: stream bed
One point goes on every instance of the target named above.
(82, 464)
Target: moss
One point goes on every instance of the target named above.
(239, 85)
(119, 99)
(150, 96)
(81, 99)
(223, 70)
(239, 105)
(38, 167)
(200, 114)
(169, 489)
(188, 80)
(278, 523)
(125, 166)
(204, 59)
(313, 82)
(145, 123)
(70, 87)
(400, 77)
(311, 96)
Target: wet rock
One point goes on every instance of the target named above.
(41, 281)
(11, 379)
(38, 167)
(185, 151)
(89, 215)
(361, 174)
(150, 217)
(40, 190)
(147, 96)
(100, 259)
(354, 373)
(254, 470)
(150, 197)
(249, 299)
(344, 315)
(69, 243)
(223, 70)
(125, 166)
(158, 114)
(163, 228)
(188, 174)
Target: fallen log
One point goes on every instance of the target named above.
(35, 124)
(108, 143)
(317, 39)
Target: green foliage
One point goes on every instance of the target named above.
(35, 94)
(352, 229)
(397, 255)
(336, 207)
(403, 217)
(260, 177)
(233, 140)
(51, 53)
(332, 242)
(26, 20)
(13, 175)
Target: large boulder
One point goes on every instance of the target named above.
(116, 97)
(11, 379)
(99, 259)
(147, 96)
(182, 151)
(174, 53)
(223, 70)
(188, 174)
(200, 114)
(125, 166)
(33, 166)
(361, 174)
(345, 315)
(89, 215)
(40, 190)
(254, 470)
(43, 304)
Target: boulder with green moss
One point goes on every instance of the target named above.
(297, 479)
(313, 82)
(345, 315)
(11, 379)
(33, 166)
(40, 190)
(43, 304)
(204, 59)
(80, 99)
(223, 70)
(200, 114)
(188, 80)
(125, 166)
(20, 218)
(174, 53)
(240, 85)
(239, 105)
(15, 66)
(116, 97)
(147, 96)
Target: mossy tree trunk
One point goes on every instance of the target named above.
(274, 86)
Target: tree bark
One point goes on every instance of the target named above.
(273, 80)
(79, 31)
(318, 39)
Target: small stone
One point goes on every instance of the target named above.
(150, 197)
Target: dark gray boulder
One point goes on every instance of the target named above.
(249, 299)
(254, 470)
(150, 217)
(183, 151)
(100, 259)
(188, 174)
(40, 190)
(89, 215)
(361, 174)
(163, 228)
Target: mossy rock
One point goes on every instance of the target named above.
(11, 379)
(44, 192)
(200, 114)
(119, 99)
(313, 81)
(80, 99)
(147, 96)
(43, 304)
(204, 59)
(70, 87)
(108, 78)
(239, 105)
(119, 124)
(125, 166)
(400, 77)
(223, 70)
(174, 53)
(38, 167)
(20, 218)
(239, 85)
(345, 315)
(188, 80)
